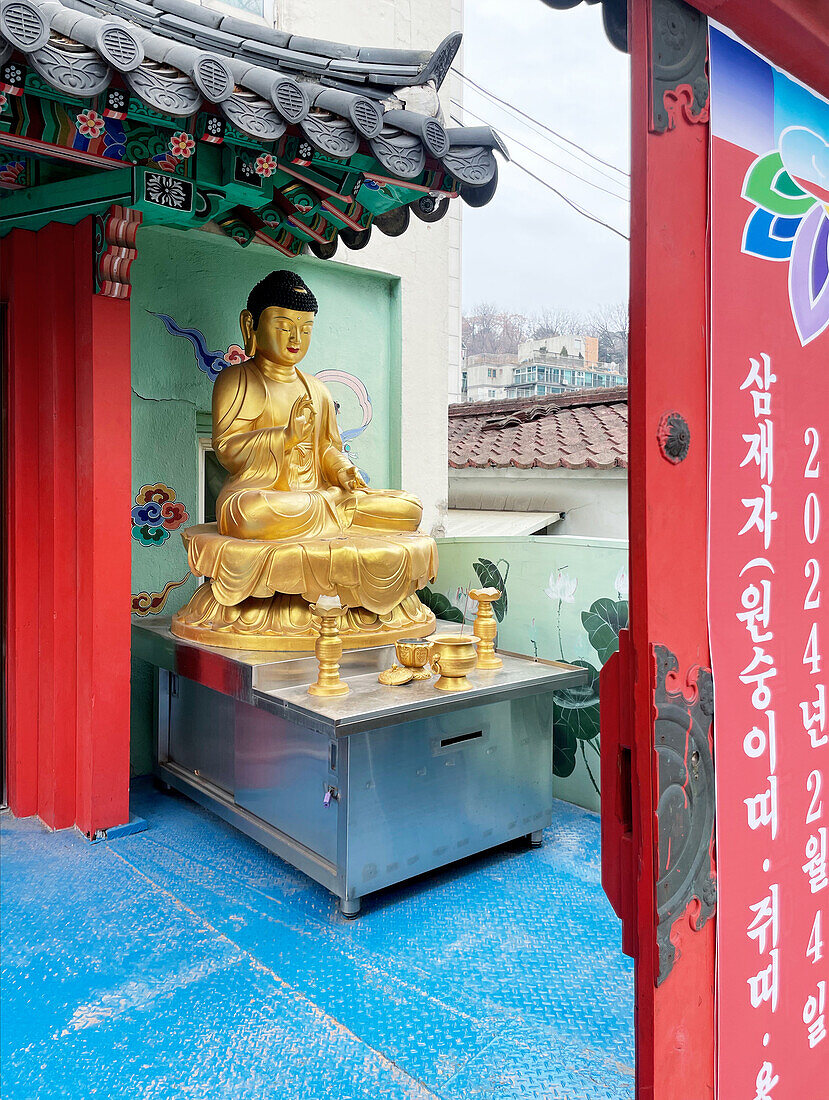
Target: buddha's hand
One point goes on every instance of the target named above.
(349, 479)
(300, 421)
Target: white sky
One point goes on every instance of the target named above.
(527, 249)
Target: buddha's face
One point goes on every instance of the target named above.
(282, 336)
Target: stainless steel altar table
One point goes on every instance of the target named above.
(367, 789)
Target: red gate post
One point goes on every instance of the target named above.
(20, 288)
(668, 518)
(69, 548)
(104, 454)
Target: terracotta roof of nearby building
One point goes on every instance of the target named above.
(585, 430)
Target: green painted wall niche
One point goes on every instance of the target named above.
(202, 281)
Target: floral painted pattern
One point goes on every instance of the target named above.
(265, 165)
(182, 145)
(156, 514)
(90, 124)
(152, 603)
(789, 188)
(11, 172)
(166, 191)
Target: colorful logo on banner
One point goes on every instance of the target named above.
(156, 514)
(790, 223)
(786, 127)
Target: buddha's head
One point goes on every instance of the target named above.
(279, 318)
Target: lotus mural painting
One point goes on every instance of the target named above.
(576, 716)
(456, 606)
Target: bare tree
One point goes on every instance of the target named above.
(488, 330)
(611, 324)
(555, 321)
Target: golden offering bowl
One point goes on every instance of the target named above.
(452, 657)
(413, 653)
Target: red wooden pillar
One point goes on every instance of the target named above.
(668, 523)
(103, 423)
(19, 285)
(68, 574)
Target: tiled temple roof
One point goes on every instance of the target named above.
(586, 430)
(178, 58)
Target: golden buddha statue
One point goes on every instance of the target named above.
(294, 519)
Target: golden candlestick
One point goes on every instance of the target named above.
(328, 648)
(485, 626)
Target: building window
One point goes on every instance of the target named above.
(212, 476)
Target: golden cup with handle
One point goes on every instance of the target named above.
(453, 656)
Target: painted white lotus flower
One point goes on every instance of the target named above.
(621, 583)
(459, 597)
(561, 586)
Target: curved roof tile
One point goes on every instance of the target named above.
(176, 55)
(585, 430)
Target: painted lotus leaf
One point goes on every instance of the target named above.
(490, 576)
(438, 603)
(576, 709)
(564, 753)
(603, 621)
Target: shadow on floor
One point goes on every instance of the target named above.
(186, 961)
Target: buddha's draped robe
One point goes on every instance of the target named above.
(275, 491)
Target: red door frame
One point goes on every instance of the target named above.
(68, 572)
(675, 1025)
(68, 471)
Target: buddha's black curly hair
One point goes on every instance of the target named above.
(281, 288)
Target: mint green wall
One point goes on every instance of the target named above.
(202, 281)
(536, 622)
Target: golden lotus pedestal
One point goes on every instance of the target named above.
(259, 593)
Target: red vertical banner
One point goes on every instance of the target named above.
(768, 572)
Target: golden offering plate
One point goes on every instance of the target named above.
(395, 676)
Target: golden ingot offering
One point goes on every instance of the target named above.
(395, 676)
(453, 656)
(413, 654)
(485, 626)
(328, 648)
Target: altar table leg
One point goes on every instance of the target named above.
(350, 907)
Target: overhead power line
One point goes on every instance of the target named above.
(537, 122)
(573, 205)
(542, 156)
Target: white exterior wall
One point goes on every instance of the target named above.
(594, 502)
(480, 387)
(427, 257)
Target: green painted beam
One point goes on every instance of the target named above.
(68, 201)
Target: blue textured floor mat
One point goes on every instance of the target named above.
(186, 961)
